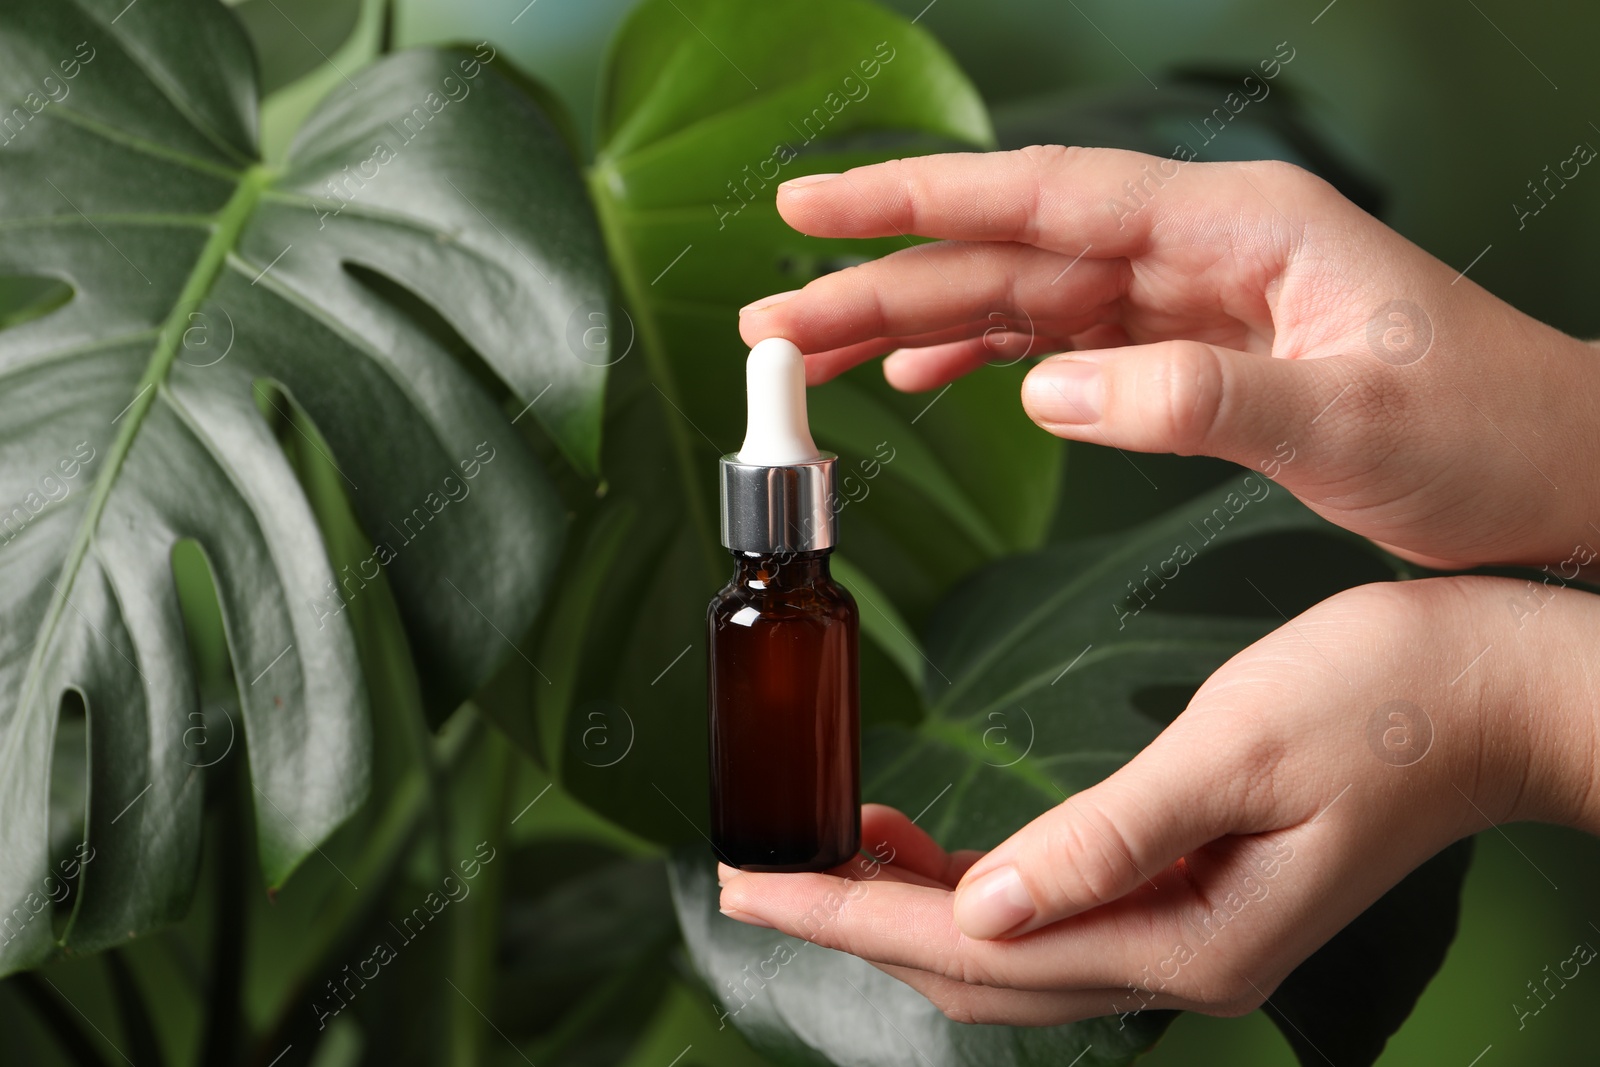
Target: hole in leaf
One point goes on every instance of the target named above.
(202, 619)
(308, 452)
(214, 730)
(359, 564)
(69, 805)
(24, 298)
(311, 459)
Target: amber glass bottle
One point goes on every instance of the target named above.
(781, 643)
(784, 722)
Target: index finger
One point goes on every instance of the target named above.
(1107, 201)
(907, 925)
(895, 841)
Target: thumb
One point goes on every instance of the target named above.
(1187, 397)
(1097, 845)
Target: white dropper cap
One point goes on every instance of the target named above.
(776, 430)
(777, 490)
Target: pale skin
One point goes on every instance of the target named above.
(1224, 311)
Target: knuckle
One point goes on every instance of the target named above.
(1045, 161)
(1046, 155)
(1224, 993)
(969, 969)
(915, 193)
(1086, 856)
(1184, 389)
(859, 287)
(955, 1006)
(1394, 608)
(1409, 612)
(1242, 1003)
(1282, 176)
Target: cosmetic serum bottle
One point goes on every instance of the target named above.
(782, 644)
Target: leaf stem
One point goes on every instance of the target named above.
(472, 950)
(134, 1013)
(221, 1040)
(50, 1007)
(386, 848)
(582, 1016)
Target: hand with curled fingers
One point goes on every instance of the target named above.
(1266, 817)
(1228, 309)
(1221, 309)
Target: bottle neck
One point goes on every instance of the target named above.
(781, 570)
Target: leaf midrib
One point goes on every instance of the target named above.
(1032, 683)
(1143, 538)
(956, 737)
(802, 87)
(228, 224)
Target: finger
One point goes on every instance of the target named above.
(1004, 347)
(829, 363)
(947, 285)
(913, 370)
(912, 926)
(1105, 335)
(1190, 398)
(1005, 342)
(902, 845)
(967, 1003)
(1104, 842)
(858, 868)
(1064, 199)
(961, 862)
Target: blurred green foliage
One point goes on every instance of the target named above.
(1446, 109)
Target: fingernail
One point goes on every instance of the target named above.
(993, 904)
(746, 918)
(768, 301)
(806, 179)
(1065, 391)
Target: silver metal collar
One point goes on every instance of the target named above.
(778, 509)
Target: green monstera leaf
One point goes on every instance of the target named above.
(213, 304)
(706, 107)
(1044, 677)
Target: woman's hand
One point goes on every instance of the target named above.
(1240, 310)
(1307, 776)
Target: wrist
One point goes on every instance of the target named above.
(1533, 696)
(1566, 443)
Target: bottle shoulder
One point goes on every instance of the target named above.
(823, 599)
